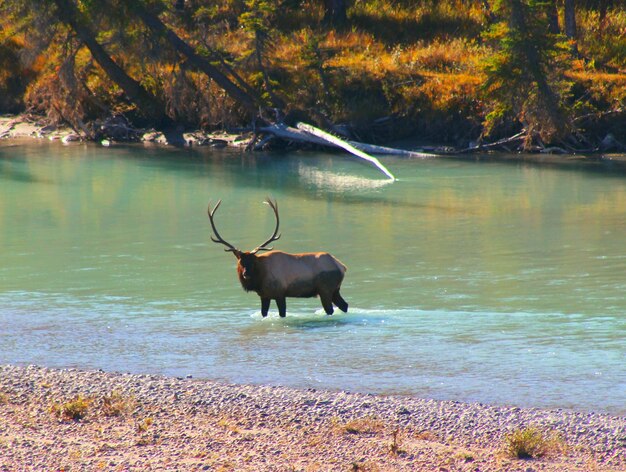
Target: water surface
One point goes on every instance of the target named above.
(498, 282)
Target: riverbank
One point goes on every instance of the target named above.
(20, 127)
(146, 422)
(26, 127)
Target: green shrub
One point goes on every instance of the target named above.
(75, 409)
(115, 404)
(532, 443)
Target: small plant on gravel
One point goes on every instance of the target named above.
(466, 457)
(427, 436)
(229, 424)
(4, 398)
(364, 466)
(532, 443)
(75, 409)
(367, 425)
(116, 404)
(143, 426)
(395, 445)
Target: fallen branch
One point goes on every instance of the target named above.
(373, 149)
(318, 133)
(599, 114)
(500, 143)
(554, 150)
(293, 134)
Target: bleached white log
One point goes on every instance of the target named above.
(293, 134)
(345, 145)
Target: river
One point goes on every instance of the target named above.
(469, 280)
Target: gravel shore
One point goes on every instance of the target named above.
(146, 422)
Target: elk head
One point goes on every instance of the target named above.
(246, 268)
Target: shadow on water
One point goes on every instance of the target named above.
(336, 177)
(322, 322)
(605, 165)
(312, 322)
(8, 171)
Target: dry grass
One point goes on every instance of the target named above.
(359, 426)
(144, 425)
(75, 409)
(116, 404)
(533, 443)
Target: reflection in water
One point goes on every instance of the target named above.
(10, 170)
(325, 180)
(470, 281)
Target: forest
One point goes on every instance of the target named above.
(514, 74)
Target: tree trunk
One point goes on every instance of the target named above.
(570, 23)
(156, 25)
(534, 64)
(335, 13)
(553, 18)
(258, 49)
(603, 7)
(149, 105)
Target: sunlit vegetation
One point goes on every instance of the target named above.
(362, 426)
(117, 405)
(451, 71)
(75, 409)
(532, 443)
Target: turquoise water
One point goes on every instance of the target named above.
(474, 281)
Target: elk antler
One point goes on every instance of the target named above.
(273, 237)
(218, 238)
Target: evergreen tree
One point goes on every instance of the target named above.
(257, 21)
(525, 76)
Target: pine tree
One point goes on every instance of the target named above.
(525, 76)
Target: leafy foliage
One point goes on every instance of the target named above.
(75, 409)
(525, 78)
(532, 443)
(399, 68)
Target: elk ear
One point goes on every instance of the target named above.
(237, 254)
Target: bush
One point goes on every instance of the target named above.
(532, 443)
(116, 404)
(75, 409)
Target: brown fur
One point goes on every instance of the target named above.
(276, 275)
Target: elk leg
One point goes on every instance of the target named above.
(340, 302)
(281, 303)
(265, 306)
(327, 304)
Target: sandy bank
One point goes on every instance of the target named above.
(139, 422)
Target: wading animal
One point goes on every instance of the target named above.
(276, 275)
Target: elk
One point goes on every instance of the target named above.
(276, 275)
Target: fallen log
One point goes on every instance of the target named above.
(294, 134)
(318, 133)
(374, 149)
(291, 134)
(501, 143)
